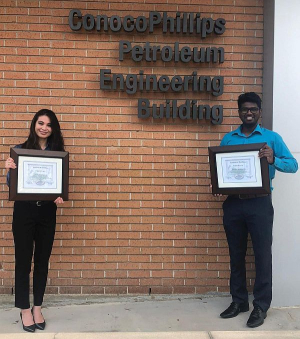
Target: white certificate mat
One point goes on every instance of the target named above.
(39, 175)
(238, 169)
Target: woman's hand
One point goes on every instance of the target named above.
(10, 164)
(58, 201)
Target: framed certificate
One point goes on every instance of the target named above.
(238, 170)
(39, 176)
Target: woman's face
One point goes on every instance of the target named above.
(43, 127)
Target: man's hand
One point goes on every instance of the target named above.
(267, 152)
(215, 195)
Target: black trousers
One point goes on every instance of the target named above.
(33, 230)
(254, 216)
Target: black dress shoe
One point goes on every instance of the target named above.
(39, 326)
(30, 328)
(234, 309)
(257, 317)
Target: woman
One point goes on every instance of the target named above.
(34, 226)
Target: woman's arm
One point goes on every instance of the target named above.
(9, 164)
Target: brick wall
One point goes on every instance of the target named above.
(140, 214)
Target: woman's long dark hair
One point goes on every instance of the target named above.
(55, 141)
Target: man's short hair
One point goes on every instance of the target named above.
(249, 97)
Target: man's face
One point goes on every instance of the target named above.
(249, 113)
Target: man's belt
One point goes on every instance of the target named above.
(249, 196)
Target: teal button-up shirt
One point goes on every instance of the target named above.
(284, 160)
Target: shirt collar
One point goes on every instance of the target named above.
(238, 131)
(47, 148)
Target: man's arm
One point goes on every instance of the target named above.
(283, 158)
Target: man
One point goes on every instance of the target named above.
(253, 214)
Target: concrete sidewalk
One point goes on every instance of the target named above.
(146, 317)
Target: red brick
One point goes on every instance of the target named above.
(140, 208)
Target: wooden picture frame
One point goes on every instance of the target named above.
(39, 176)
(237, 169)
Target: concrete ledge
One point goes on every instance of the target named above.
(135, 335)
(159, 335)
(255, 335)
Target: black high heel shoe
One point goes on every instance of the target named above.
(30, 328)
(39, 326)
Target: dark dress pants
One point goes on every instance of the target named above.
(254, 216)
(33, 230)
